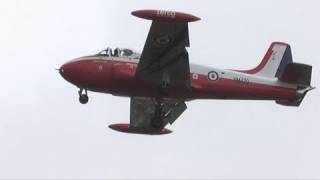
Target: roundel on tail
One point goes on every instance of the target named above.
(162, 40)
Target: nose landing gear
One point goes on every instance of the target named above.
(83, 98)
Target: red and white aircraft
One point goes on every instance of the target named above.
(160, 80)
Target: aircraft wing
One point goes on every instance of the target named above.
(142, 111)
(164, 57)
(164, 60)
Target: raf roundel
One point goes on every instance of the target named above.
(213, 76)
(162, 40)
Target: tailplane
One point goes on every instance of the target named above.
(299, 74)
(296, 73)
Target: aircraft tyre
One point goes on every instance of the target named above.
(83, 99)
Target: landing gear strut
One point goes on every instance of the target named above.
(83, 97)
(164, 88)
(157, 120)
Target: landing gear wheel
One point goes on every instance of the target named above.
(83, 99)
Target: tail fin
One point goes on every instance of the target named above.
(274, 62)
(277, 63)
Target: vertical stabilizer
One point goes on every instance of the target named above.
(274, 62)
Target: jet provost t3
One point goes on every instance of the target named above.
(160, 80)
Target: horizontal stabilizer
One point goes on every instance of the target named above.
(299, 74)
(303, 92)
(296, 73)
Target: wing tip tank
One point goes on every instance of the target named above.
(162, 15)
(125, 128)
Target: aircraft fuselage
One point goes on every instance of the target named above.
(116, 75)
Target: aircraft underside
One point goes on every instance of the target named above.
(160, 80)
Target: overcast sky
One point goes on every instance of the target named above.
(46, 133)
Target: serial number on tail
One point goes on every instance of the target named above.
(241, 80)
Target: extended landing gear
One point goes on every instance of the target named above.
(157, 120)
(83, 98)
(164, 88)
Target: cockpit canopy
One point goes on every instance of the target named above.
(119, 52)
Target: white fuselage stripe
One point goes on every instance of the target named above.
(204, 70)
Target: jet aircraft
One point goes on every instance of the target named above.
(160, 80)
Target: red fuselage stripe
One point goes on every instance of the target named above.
(118, 77)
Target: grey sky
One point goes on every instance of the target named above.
(45, 132)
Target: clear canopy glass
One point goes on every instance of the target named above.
(119, 52)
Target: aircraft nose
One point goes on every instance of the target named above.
(69, 70)
(63, 69)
